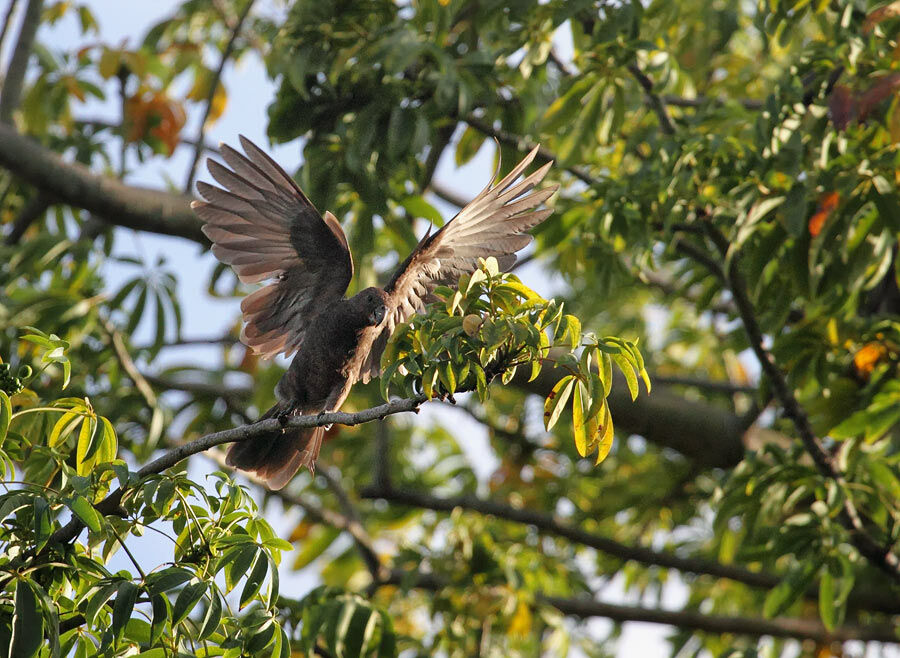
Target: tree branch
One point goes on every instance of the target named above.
(110, 504)
(653, 99)
(807, 629)
(322, 515)
(355, 526)
(584, 608)
(31, 211)
(211, 94)
(117, 204)
(522, 144)
(877, 601)
(880, 555)
(18, 63)
(7, 20)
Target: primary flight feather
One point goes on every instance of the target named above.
(263, 225)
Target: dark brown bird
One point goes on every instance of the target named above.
(263, 225)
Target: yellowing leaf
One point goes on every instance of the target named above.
(520, 624)
(578, 425)
(556, 400)
(606, 434)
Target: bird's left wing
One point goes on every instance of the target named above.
(262, 224)
(494, 223)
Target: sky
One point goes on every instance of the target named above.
(250, 91)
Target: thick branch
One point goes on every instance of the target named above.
(18, 63)
(882, 602)
(789, 627)
(116, 203)
(211, 94)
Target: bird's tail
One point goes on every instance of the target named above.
(277, 457)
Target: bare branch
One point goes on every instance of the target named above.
(211, 94)
(7, 20)
(117, 204)
(18, 63)
(103, 124)
(31, 211)
(127, 363)
(522, 144)
(653, 99)
(701, 101)
(355, 525)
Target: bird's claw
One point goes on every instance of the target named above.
(319, 417)
(283, 416)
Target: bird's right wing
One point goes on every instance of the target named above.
(264, 227)
(494, 223)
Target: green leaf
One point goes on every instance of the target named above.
(187, 599)
(256, 578)
(27, 623)
(161, 610)
(789, 590)
(418, 207)
(212, 617)
(827, 602)
(469, 144)
(98, 600)
(86, 512)
(556, 400)
(627, 370)
(5, 415)
(126, 595)
(167, 579)
(86, 446)
(63, 427)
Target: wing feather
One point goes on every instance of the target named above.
(492, 224)
(264, 227)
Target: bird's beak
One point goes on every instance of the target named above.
(376, 316)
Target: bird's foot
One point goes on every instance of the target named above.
(319, 417)
(284, 415)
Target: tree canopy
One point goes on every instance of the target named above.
(726, 229)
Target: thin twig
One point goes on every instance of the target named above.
(7, 20)
(653, 99)
(523, 144)
(355, 526)
(211, 94)
(31, 211)
(18, 63)
(127, 363)
(880, 555)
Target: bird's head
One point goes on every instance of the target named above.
(372, 302)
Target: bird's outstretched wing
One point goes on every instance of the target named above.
(494, 223)
(262, 224)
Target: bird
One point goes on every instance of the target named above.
(261, 224)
